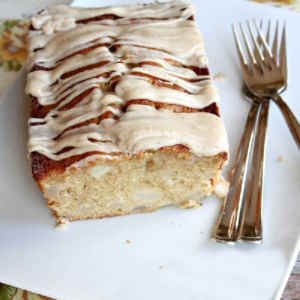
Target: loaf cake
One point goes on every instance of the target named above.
(124, 114)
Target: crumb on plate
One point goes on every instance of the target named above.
(220, 77)
(61, 223)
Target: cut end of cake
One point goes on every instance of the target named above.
(144, 183)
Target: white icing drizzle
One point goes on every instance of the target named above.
(143, 41)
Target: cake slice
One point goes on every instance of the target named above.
(124, 115)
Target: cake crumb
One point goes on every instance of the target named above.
(222, 188)
(61, 223)
(128, 241)
(161, 267)
(280, 158)
(220, 77)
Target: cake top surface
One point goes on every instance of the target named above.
(120, 79)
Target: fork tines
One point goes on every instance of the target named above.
(262, 58)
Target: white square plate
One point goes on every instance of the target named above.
(170, 255)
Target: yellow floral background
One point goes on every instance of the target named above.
(293, 5)
(281, 2)
(8, 292)
(13, 54)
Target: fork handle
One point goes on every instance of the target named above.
(290, 118)
(225, 230)
(250, 230)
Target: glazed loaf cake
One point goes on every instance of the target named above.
(124, 115)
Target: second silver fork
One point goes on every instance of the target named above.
(229, 227)
(250, 229)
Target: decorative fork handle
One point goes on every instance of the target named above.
(289, 117)
(226, 228)
(250, 230)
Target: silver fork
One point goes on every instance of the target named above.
(263, 77)
(251, 225)
(226, 227)
(228, 222)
